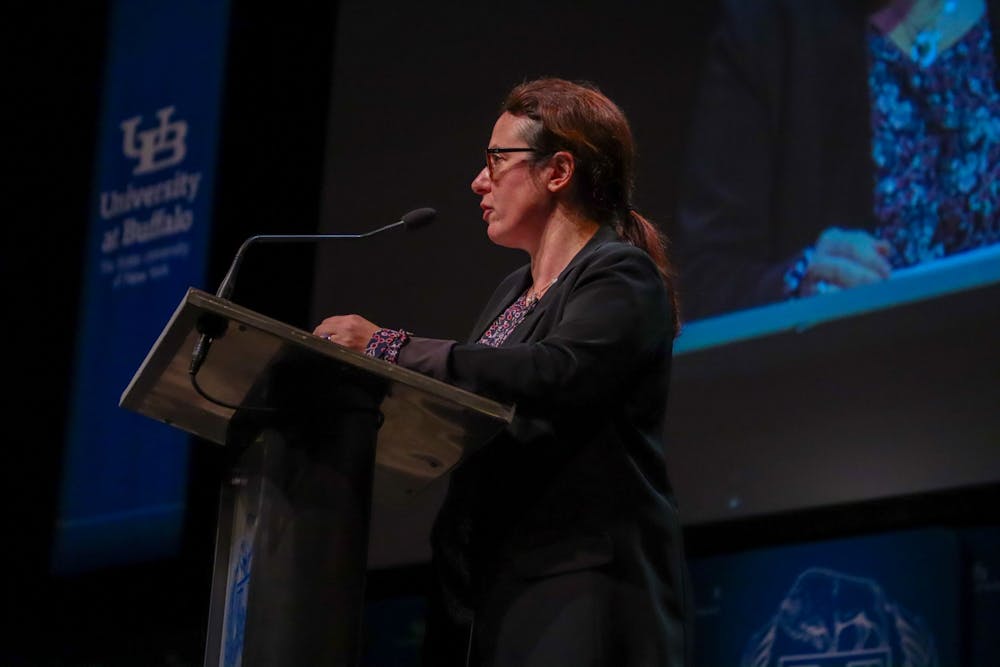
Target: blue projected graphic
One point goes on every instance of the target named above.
(124, 476)
(833, 619)
(879, 601)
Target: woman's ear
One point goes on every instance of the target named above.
(562, 165)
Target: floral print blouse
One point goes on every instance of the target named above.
(936, 147)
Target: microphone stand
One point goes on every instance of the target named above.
(211, 330)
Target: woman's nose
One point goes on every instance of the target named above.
(481, 183)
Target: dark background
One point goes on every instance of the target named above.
(341, 119)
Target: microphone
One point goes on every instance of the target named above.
(210, 330)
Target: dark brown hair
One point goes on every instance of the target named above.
(577, 117)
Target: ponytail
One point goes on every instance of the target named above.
(640, 232)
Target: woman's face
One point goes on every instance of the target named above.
(515, 202)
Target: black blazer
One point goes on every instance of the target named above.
(779, 147)
(578, 481)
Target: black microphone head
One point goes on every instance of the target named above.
(418, 217)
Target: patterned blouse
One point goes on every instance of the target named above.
(508, 320)
(936, 147)
(936, 150)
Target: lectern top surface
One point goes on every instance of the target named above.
(429, 425)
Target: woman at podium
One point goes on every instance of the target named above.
(559, 542)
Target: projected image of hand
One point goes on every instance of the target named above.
(845, 258)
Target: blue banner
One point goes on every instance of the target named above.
(125, 475)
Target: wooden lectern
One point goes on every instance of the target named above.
(316, 431)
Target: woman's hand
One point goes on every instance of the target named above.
(846, 258)
(351, 331)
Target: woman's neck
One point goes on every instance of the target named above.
(563, 237)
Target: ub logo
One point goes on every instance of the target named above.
(155, 148)
(831, 619)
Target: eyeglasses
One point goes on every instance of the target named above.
(493, 154)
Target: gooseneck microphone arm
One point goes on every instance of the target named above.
(411, 220)
(414, 219)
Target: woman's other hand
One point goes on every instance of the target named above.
(352, 331)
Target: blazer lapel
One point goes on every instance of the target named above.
(523, 332)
